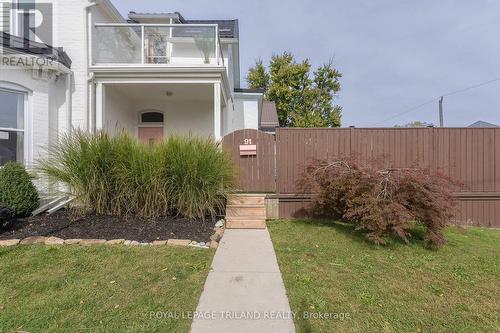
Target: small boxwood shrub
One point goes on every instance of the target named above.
(117, 175)
(17, 189)
(381, 201)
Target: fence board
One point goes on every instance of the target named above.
(255, 173)
(469, 156)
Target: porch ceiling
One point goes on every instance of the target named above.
(165, 92)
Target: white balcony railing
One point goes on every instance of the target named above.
(156, 44)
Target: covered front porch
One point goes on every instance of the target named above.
(151, 111)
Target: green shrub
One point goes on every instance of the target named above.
(118, 175)
(17, 189)
(7, 217)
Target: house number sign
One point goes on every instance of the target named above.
(247, 148)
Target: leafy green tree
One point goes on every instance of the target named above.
(257, 77)
(302, 100)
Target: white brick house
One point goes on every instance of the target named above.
(150, 74)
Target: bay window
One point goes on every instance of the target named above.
(12, 110)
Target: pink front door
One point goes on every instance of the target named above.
(150, 134)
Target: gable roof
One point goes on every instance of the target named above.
(482, 124)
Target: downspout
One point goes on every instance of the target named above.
(68, 75)
(89, 100)
(69, 103)
(92, 101)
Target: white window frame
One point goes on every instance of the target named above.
(27, 131)
(5, 17)
(15, 28)
(140, 124)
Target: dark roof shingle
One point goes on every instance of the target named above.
(227, 28)
(20, 44)
(269, 116)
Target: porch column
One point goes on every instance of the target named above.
(100, 106)
(217, 112)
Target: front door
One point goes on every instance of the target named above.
(150, 135)
(151, 125)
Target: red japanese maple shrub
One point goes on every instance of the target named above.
(381, 201)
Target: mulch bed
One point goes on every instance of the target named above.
(66, 225)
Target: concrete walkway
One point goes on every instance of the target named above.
(244, 291)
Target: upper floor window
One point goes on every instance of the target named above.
(5, 16)
(12, 106)
(17, 20)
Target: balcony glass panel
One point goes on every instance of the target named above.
(117, 45)
(177, 44)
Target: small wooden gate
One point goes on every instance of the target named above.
(254, 155)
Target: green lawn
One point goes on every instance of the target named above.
(99, 289)
(395, 288)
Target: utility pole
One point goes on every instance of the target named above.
(441, 117)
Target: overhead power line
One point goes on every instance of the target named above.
(471, 87)
(459, 91)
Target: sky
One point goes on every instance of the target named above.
(395, 55)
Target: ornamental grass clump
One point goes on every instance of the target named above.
(117, 175)
(383, 202)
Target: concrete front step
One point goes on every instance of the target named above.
(245, 223)
(246, 200)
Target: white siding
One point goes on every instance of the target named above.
(247, 111)
(183, 117)
(228, 117)
(119, 115)
(70, 32)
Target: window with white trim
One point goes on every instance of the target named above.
(152, 117)
(12, 107)
(5, 13)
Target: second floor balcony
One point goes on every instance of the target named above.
(190, 45)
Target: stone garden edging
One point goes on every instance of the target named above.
(213, 244)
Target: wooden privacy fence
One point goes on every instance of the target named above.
(256, 169)
(470, 156)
